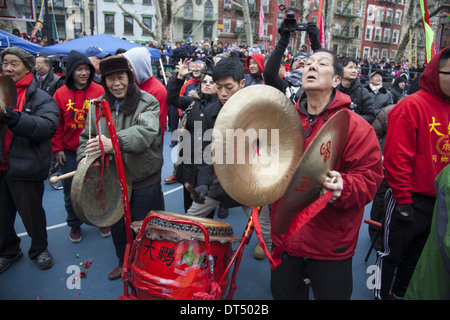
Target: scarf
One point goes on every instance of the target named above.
(375, 88)
(294, 77)
(22, 87)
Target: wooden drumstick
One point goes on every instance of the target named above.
(55, 179)
(189, 187)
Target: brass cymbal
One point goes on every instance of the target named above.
(319, 158)
(96, 195)
(257, 145)
(8, 97)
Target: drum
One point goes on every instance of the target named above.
(170, 260)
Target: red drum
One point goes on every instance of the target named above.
(176, 256)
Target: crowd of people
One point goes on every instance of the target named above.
(395, 149)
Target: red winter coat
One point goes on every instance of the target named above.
(417, 143)
(333, 233)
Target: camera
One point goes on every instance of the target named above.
(290, 24)
(196, 66)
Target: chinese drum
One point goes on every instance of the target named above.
(175, 256)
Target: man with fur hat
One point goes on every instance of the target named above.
(25, 156)
(73, 103)
(135, 114)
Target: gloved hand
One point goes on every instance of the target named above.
(405, 212)
(11, 117)
(216, 190)
(202, 193)
(283, 31)
(314, 36)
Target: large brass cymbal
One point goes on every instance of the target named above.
(257, 145)
(8, 97)
(96, 195)
(319, 158)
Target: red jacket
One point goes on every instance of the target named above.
(417, 143)
(73, 108)
(333, 233)
(157, 89)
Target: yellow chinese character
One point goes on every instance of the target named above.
(444, 159)
(433, 125)
(434, 158)
(73, 126)
(70, 105)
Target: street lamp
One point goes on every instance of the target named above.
(91, 7)
(443, 20)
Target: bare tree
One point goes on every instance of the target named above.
(247, 22)
(165, 12)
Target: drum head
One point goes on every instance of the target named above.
(158, 229)
(96, 195)
(8, 97)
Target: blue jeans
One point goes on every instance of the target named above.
(142, 201)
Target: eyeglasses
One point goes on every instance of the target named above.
(301, 59)
(444, 72)
(207, 82)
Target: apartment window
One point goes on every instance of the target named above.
(109, 23)
(208, 10)
(389, 14)
(359, 9)
(147, 2)
(380, 14)
(384, 54)
(357, 32)
(187, 29)
(207, 32)
(347, 30)
(371, 12)
(226, 25)
(368, 35)
(337, 29)
(350, 8)
(339, 6)
(189, 10)
(377, 35)
(387, 35)
(355, 52)
(147, 21)
(395, 36)
(366, 53)
(398, 16)
(239, 26)
(127, 25)
(376, 53)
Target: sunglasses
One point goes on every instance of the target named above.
(301, 59)
(207, 82)
(444, 72)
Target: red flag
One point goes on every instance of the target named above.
(320, 24)
(261, 21)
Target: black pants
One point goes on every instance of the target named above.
(404, 242)
(329, 280)
(142, 201)
(24, 197)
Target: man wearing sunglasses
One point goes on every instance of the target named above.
(415, 152)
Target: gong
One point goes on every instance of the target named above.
(319, 158)
(96, 195)
(257, 143)
(8, 97)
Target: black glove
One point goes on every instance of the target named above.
(314, 36)
(11, 117)
(283, 31)
(216, 190)
(407, 208)
(202, 193)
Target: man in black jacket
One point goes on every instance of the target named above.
(383, 98)
(46, 79)
(25, 155)
(291, 85)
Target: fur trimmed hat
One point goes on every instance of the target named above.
(113, 64)
(27, 58)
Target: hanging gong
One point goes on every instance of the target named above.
(319, 158)
(257, 145)
(96, 195)
(8, 97)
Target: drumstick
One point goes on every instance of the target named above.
(55, 179)
(191, 189)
